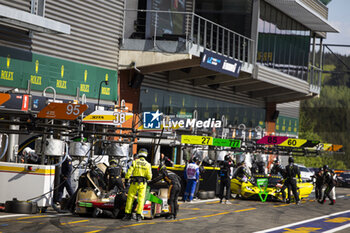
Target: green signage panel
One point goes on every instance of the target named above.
(227, 142)
(17, 67)
(287, 125)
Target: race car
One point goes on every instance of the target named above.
(250, 189)
(114, 205)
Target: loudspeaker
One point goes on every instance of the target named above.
(136, 80)
(275, 115)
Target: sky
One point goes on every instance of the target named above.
(339, 17)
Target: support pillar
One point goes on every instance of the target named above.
(271, 117)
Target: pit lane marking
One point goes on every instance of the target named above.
(281, 205)
(137, 224)
(40, 216)
(75, 222)
(185, 219)
(93, 231)
(212, 215)
(13, 215)
(7, 217)
(301, 223)
(243, 210)
(338, 228)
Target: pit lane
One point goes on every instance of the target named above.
(200, 216)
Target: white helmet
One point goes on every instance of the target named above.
(143, 152)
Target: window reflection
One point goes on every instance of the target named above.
(173, 103)
(283, 43)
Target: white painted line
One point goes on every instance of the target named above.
(302, 222)
(338, 228)
(13, 215)
(55, 215)
(201, 201)
(22, 215)
(341, 196)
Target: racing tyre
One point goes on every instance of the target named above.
(116, 212)
(203, 195)
(21, 207)
(96, 212)
(211, 194)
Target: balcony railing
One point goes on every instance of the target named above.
(315, 79)
(196, 32)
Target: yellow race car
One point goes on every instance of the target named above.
(250, 189)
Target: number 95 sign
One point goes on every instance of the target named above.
(62, 111)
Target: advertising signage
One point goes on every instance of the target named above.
(219, 63)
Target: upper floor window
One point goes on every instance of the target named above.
(283, 43)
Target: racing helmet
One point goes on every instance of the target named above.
(112, 161)
(276, 160)
(195, 159)
(143, 152)
(227, 157)
(325, 168)
(290, 160)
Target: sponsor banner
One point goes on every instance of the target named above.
(108, 117)
(292, 142)
(17, 67)
(234, 143)
(219, 63)
(14, 101)
(156, 121)
(272, 140)
(197, 140)
(210, 141)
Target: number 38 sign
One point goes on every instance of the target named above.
(108, 117)
(62, 111)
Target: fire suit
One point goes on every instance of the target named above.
(139, 173)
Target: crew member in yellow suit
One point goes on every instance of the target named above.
(139, 173)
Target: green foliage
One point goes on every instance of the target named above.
(319, 161)
(327, 118)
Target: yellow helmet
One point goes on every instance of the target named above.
(112, 161)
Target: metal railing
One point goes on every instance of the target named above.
(315, 78)
(195, 30)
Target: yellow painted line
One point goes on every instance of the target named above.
(93, 231)
(41, 216)
(244, 210)
(212, 202)
(91, 226)
(281, 205)
(200, 209)
(74, 222)
(172, 220)
(347, 195)
(138, 224)
(190, 209)
(185, 219)
(212, 215)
